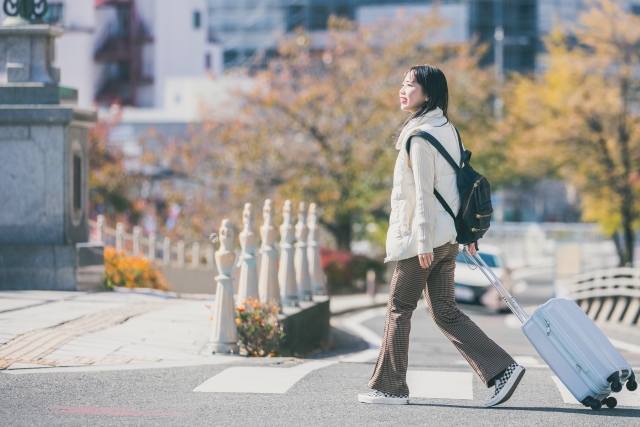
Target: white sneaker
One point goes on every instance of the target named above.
(382, 398)
(506, 385)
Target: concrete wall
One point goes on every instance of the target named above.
(307, 328)
(180, 48)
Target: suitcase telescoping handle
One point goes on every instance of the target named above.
(493, 279)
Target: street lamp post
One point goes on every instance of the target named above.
(24, 11)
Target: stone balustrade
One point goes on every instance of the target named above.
(261, 276)
(608, 296)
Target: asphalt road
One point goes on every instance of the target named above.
(325, 396)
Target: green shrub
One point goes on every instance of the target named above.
(259, 329)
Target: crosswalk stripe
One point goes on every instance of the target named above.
(529, 362)
(362, 356)
(258, 379)
(440, 385)
(624, 398)
(564, 391)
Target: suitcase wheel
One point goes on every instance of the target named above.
(594, 404)
(611, 402)
(632, 385)
(614, 379)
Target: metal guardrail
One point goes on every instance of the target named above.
(611, 295)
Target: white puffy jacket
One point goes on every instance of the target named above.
(418, 222)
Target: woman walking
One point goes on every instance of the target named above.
(422, 238)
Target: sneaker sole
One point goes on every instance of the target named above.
(509, 393)
(383, 400)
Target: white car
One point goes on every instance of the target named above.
(473, 287)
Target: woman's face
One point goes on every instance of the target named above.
(411, 96)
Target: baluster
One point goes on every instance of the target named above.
(137, 231)
(181, 253)
(209, 255)
(152, 247)
(101, 227)
(119, 236)
(195, 255)
(224, 332)
(166, 251)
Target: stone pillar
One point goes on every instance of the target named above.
(224, 332)
(303, 280)
(318, 282)
(44, 228)
(287, 271)
(248, 283)
(268, 287)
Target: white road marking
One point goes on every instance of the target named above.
(512, 322)
(624, 398)
(520, 287)
(631, 348)
(440, 385)
(529, 362)
(564, 391)
(213, 360)
(361, 356)
(259, 379)
(526, 361)
(354, 324)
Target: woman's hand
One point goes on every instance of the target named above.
(425, 260)
(472, 249)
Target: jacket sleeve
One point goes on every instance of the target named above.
(423, 164)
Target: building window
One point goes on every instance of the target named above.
(197, 18)
(77, 182)
(207, 61)
(55, 13)
(230, 57)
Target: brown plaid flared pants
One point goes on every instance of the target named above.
(437, 281)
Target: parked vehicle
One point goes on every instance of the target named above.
(472, 286)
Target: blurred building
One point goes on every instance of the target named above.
(248, 30)
(126, 50)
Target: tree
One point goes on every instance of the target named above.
(319, 123)
(580, 117)
(109, 183)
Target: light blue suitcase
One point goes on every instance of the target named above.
(572, 345)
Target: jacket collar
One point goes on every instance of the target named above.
(414, 124)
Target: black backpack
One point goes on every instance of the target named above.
(474, 217)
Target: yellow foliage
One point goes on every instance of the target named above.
(579, 117)
(131, 272)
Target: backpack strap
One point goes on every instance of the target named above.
(444, 204)
(448, 158)
(432, 139)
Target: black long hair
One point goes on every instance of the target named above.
(434, 85)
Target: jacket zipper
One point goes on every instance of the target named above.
(475, 185)
(473, 230)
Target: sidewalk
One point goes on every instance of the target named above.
(115, 330)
